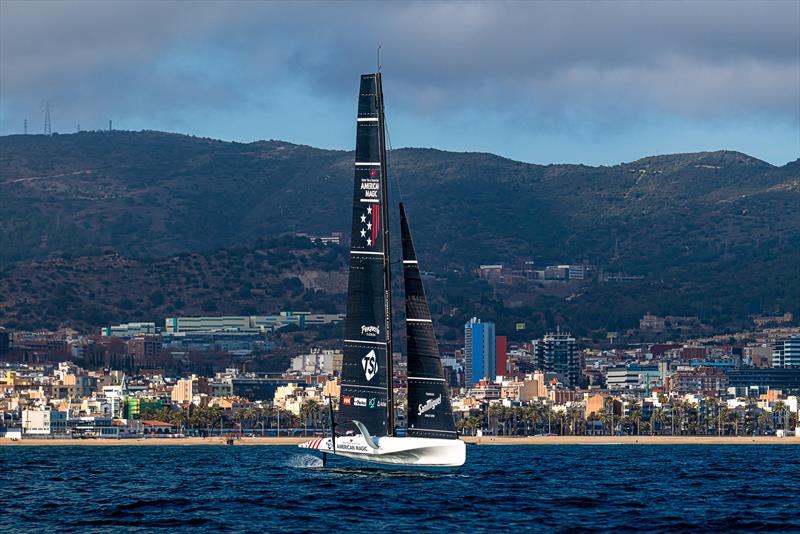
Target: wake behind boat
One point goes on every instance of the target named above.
(365, 427)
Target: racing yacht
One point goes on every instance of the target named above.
(364, 428)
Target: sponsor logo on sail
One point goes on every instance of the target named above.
(347, 400)
(370, 331)
(372, 402)
(359, 401)
(429, 405)
(370, 365)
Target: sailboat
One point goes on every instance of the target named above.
(365, 427)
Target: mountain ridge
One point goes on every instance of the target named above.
(672, 219)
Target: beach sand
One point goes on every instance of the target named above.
(483, 440)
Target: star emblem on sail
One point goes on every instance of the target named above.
(370, 365)
(371, 219)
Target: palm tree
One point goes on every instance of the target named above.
(606, 418)
(765, 420)
(237, 416)
(635, 415)
(591, 418)
(473, 424)
(573, 414)
(711, 406)
(461, 425)
(678, 414)
(495, 413)
(216, 414)
(309, 409)
(659, 416)
(780, 408)
(723, 416)
(529, 417)
(791, 420)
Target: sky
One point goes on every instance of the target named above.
(543, 82)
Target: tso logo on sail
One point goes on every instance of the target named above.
(370, 365)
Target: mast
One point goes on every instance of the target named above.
(387, 264)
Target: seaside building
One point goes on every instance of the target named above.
(704, 380)
(786, 352)
(633, 376)
(136, 406)
(787, 380)
(318, 361)
(146, 350)
(556, 353)
(186, 389)
(44, 422)
(480, 351)
(250, 386)
(251, 323)
(129, 330)
(231, 341)
(501, 352)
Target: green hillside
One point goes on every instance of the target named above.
(715, 234)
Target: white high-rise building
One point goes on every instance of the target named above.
(786, 352)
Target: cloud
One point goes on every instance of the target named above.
(603, 63)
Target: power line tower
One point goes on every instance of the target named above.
(25, 126)
(47, 129)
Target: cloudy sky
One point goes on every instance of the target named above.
(578, 82)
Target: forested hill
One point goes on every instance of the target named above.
(711, 223)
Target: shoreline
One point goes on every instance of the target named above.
(632, 440)
(471, 440)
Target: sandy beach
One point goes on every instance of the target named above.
(483, 440)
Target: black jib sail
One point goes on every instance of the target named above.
(366, 394)
(429, 412)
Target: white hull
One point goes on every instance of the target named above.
(429, 452)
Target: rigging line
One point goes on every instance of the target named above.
(392, 177)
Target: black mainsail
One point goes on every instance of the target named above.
(366, 388)
(430, 414)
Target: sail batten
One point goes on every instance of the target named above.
(429, 410)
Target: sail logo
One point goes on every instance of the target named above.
(371, 224)
(347, 400)
(370, 365)
(429, 405)
(370, 331)
(359, 401)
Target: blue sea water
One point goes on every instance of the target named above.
(501, 488)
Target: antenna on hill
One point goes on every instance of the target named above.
(109, 125)
(47, 127)
(25, 126)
